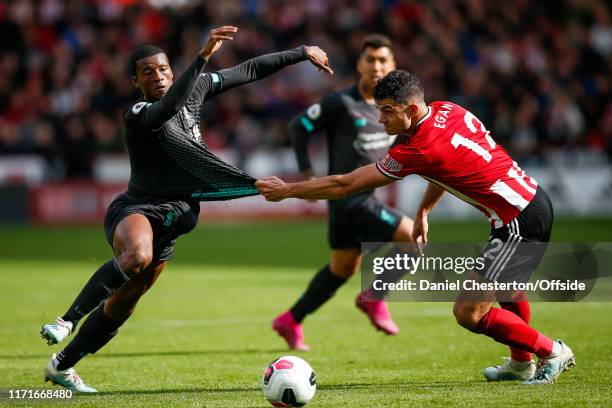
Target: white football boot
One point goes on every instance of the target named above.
(68, 379)
(56, 332)
(550, 368)
(510, 371)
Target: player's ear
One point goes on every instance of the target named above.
(134, 81)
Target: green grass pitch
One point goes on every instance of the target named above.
(201, 337)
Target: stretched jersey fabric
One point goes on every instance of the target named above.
(452, 148)
(168, 155)
(354, 136)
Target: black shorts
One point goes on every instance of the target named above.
(169, 219)
(366, 221)
(515, 250)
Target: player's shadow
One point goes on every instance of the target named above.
(331, 387)
(188, 353)
(392, 384)
(152, 353)
(178, 391)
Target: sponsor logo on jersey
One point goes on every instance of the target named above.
(138, 107)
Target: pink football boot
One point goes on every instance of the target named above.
(286, 327)
(378, 313)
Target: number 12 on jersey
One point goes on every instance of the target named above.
(518, 186)
(459, 140)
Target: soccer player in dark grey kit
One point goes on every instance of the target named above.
(354, 139)
(172, 170)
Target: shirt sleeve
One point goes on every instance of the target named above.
(402, 160)
(211, 84)
(152, 115)
(315, 118)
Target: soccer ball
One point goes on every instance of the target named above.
(289, 381)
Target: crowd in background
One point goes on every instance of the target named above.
(537, 73)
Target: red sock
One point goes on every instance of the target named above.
(509, 329)
(520, 307)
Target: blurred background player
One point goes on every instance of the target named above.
(451, 148)
(354, 138)
(172, 170)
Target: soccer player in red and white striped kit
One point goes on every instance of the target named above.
(448, 146)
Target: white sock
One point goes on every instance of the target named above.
(557, 349)
(519, 365)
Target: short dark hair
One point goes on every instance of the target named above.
(399, 85)
(375, 41)
(143, 52)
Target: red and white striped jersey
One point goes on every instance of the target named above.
(452, 148)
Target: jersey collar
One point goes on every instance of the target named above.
(424, 118)
(419, 123)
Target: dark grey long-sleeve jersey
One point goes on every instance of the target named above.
(168, 155)
(354, 136)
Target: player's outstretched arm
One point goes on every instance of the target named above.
(261, 67)
(432, 195)
(165, 108)
(330, 187)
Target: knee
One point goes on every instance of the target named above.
(135, 259)
(467, 316)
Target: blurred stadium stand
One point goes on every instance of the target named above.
(537, 73)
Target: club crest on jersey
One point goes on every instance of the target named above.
(314, 111)
(391, 164)
(138, 107)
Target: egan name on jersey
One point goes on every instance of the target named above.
(442, 116)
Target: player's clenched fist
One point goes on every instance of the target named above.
(272, 188)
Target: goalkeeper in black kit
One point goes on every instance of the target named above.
(172, 170)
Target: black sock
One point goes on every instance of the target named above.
(392, 275)
(97, 330)
(321, 288)
(102, 284)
